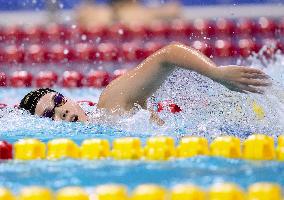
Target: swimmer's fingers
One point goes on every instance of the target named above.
(232, 86)
(249, 88)
(255, 76)
(250, 70)
(255, 82)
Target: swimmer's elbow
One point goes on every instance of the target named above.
(169, 52)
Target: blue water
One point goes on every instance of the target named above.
(209, 110)
(203, 171)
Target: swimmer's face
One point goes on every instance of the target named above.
(60, 108)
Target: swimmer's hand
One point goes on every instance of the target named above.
(242, 79)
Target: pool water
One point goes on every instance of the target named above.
(208, 110)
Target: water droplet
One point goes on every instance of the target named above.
(83, 37)
(65, 51)
(120, 31)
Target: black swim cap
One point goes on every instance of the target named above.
(30, 101)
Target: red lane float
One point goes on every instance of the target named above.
(33, 33)
(6, 150)
(46, 79)
(203, 47)
(202, 27)
(85, 52)
(13, 54)
(3, 105)
(224, 26)
(180, 29)
(158, 29)
(70, 33)
(72, 79)
(98, 79)
(245, 26)
(245, 47)
(265, 26)
(3, 79)
(35, 53)
(60, 53)
(119, 72)
(133, 51)
(107, 52)
(151, 47)
(168, 105)
(94, 33)
(119, 32)
(52, 32)
(13, 33)
(90, 103)
(223, 48)
(271, 46)
(137, 31)
(281, 26)
(21, 79)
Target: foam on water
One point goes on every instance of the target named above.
(208, 109)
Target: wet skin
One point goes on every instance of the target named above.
(140, 83)
(69, 111)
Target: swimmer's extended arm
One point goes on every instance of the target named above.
(141, 82)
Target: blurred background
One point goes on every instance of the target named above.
(89, 12)
(46, 42)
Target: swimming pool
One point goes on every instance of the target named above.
(217, 117)
(209, 110)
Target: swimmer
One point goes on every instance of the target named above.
(138, 84)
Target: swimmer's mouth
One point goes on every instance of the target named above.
(75, 119)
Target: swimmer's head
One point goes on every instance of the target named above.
(49, 103)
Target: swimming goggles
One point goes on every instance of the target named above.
(58, 100)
